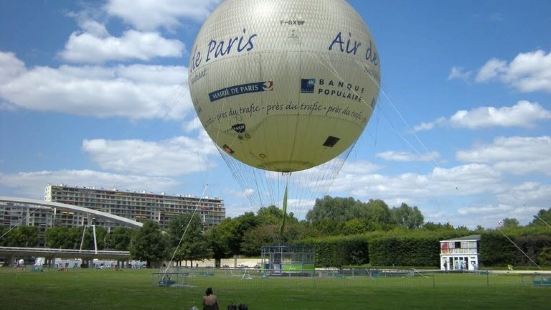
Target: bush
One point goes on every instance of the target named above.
(398, 247)
(422, 248)
(340, 251)
(504, 248)
(405, 251)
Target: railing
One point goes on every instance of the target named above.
(64, 252)
(458, 251)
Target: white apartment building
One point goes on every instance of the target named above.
(132, 205)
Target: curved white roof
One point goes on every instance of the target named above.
(64, 206)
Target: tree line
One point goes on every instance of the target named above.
(334, 225)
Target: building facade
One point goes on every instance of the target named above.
(132, 205)
(460, 253)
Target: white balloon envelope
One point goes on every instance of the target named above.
(284, 85)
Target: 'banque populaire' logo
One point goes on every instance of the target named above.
(307, 86)
(336, 88)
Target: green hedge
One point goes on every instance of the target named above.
(405, 251)
(504, 248)
(397, 247)
(340, 251)
(422, 248)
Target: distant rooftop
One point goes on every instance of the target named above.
(470, 237)
(143, 192)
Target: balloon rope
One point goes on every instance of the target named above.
(282, 228)
(185, 230)
(404, 121)
(403, 138)
(29, 214)
(524, 253)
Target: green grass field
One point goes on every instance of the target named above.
(135, 289)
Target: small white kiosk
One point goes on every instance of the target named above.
(460, 253)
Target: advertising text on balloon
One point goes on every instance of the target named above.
(350, 46)
(216, 48)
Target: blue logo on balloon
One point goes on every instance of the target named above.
(307, 86)
(241, 89)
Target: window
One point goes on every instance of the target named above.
(458, 245)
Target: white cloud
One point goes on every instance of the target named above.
(458, 73)
(457, 194)
(523, 114)
(360, 167)
(299, 207)
(408, 157)
(527, 194)
(92, 27)
(248, 192)
(10, 67)
(514, 155)
(491, 215)
(430, 125)
(193, 125)
(32, 184)
(461, 180)
(96, 45)
(152, 14)
(493, 68)
(173, 157)
(489, 209)
(134, 91)
(528, 72)
(238, 209)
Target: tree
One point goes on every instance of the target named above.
(149, 244)
(328, 227)
(274, 215)
(186, 238)
(242, 224)
(407, 217)
(543, 218)
(255, 238)
(376, 215)
(63, 237)
(22, 236)
(354, 227)
(226, 238)
(88, 242)
(71, 238)
(120, 239)
(438, 226)
(544, 257)
(218, 239)
(510, 223)
(3, 235)
(269, 215)
(334, 209)
(329, 214)
(479, 229)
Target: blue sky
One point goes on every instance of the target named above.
(94, 93)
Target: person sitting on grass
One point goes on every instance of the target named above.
(210, 302)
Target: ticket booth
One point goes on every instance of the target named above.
(460, 254)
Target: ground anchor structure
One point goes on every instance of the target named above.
(288, 260)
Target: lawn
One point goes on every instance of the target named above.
(136, 289)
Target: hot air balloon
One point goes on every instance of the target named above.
(284, 85)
